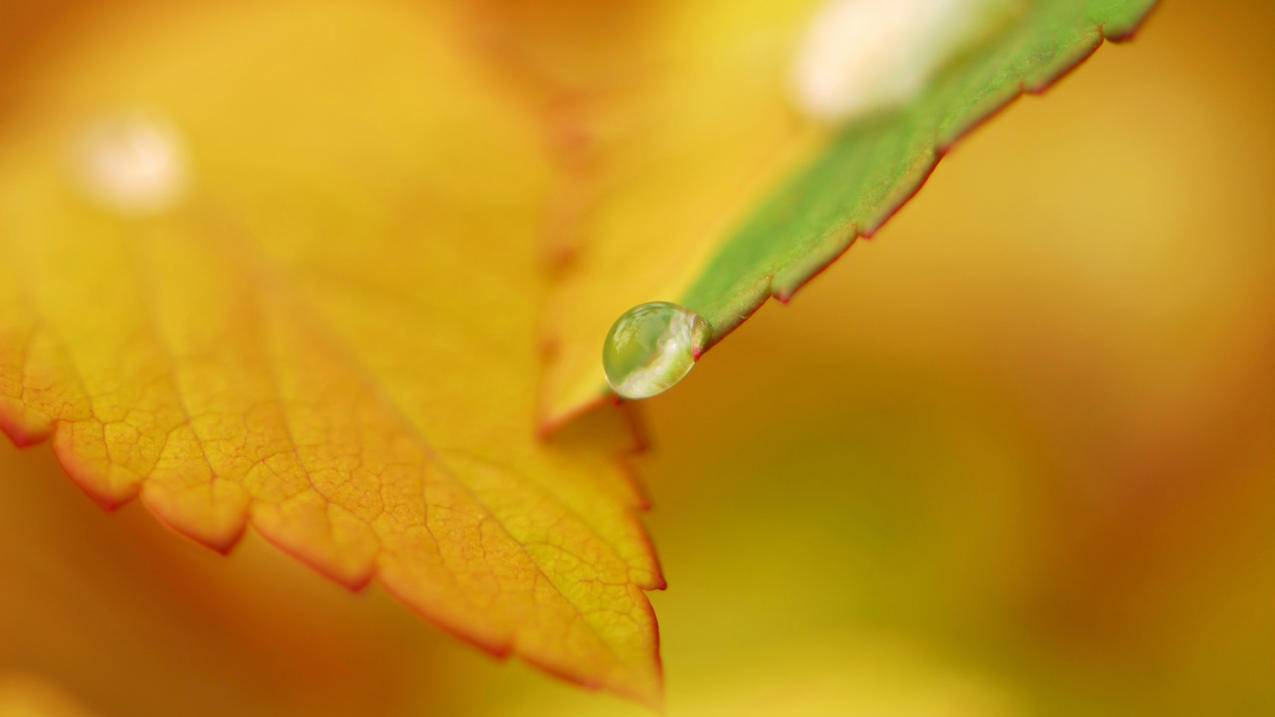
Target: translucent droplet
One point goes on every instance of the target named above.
(651, 347)
(131, 164)
(860, 56)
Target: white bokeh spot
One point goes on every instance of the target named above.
(133, 164)
(861, 56)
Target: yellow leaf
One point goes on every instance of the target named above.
(280, 264)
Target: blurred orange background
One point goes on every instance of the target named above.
(1016, 455)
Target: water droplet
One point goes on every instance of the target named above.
(859, 56)
(131, 164)
(651, 347)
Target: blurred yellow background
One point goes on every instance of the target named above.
(1016, 455)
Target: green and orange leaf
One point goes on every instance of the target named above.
(701, 183)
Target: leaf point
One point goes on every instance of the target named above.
(1131, 33)
(499, 649)
(22, 433)
(354, 581)
(93, 483)
(550, 425)
(223, 542)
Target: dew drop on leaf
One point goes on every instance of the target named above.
(131, 164)
(652, 347)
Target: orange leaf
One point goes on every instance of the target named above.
(279, 265)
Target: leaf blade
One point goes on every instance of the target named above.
(302, 344)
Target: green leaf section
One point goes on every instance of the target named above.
(873, 166)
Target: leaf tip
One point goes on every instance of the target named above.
(21, 426)
(108, 491)
(1126, 33)
(213, 514)
(318, 537)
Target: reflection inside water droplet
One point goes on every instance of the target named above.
(131, 164)
(651, 347)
